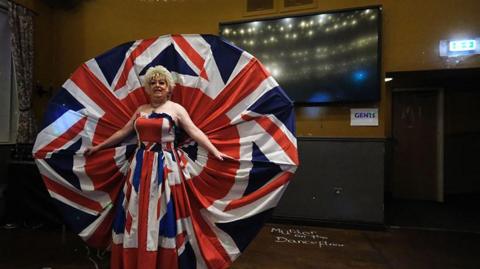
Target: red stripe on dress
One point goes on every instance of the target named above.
(201, 185)
(213, 253)
(161, 194)
(231, 95)
(180, 199)
(225, 138)
(116, 258)
(278, 135)
(128, 221)
(103, 171)
(179, 192)
(102, 236)
(58, 142)
(159, 204)
(117, 115)
(129, 258)
(260, 193)
(130, 61)
(167, 258)
(128, 184)
(145, 257)
(71, 195)
(101, 96)
(180, 240)
(191, 53)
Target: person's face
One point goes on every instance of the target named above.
(158, 87)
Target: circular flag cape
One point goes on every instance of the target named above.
(228, 94)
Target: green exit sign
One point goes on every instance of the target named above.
(459, 47)
(462, 45)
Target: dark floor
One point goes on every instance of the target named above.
(456, 213)
(277, 246)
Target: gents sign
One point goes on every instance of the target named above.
(364, 116)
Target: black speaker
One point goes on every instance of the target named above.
(28, 201)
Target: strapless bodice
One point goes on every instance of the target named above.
(155, 129)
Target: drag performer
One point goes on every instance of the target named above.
(213, 151)
(154, 123)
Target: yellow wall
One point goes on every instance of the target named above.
(411, 32)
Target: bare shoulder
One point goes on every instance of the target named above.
(178, 107)
(143, 108)
(181, 114)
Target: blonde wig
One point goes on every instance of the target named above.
(161, 71)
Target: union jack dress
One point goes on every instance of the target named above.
(158, 199)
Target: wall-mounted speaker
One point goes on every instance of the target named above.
(259, 5)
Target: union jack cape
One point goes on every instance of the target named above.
(229, 95)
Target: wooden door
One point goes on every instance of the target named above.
(417, 147)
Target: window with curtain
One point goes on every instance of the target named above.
(7, 100)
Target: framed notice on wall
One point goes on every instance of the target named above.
(364, 117)
(260, 7)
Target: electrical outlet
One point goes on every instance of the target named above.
(338, 190)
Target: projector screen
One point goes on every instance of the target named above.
(317, 58)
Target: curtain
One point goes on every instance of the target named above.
(21, 24)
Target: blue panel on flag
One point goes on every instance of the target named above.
(171, 60)
(187, 259)
(62, 160)
(75, 219)
(243, 231)
(191, 151)
(110, 61)
(220, 49)
(274, 102)
(168, 227)
(160, 163)
(262, 171)
(119, 221)
(60, 103)
(130, 149)
(138, 170)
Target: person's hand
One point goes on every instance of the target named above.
(221, 156)
(90, 150)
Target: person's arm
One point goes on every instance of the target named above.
(116, 138)
(196, 134)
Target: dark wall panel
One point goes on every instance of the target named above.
(338, 180)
